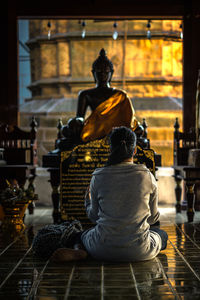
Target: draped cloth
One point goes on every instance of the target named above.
(113, 112)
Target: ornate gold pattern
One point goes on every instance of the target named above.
(13, 218)
(65, 154)
(93, 144)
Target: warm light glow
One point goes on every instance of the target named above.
(148, 66)
(83, 33)
(49, 34)
(88, 157)
(115, 35)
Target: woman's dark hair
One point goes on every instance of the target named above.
(122, 145)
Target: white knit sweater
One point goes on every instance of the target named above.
(123, 203)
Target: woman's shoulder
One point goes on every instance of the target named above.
(98, 171)
(121, 168)
(142, 168)
(105, 170)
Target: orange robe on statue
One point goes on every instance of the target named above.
(113, 112)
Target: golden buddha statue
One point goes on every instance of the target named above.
(110, 107)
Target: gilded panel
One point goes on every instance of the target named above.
(167, 59)
(63, 59)
(35, 64)
(48, 60)
(34, 28)
(177, 61)
(63, 25)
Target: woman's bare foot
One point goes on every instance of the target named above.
(67, 254)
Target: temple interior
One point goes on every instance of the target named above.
(154, 47)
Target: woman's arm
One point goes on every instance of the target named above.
(91, 202)
(153, 203)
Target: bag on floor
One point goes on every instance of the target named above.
(51, 237)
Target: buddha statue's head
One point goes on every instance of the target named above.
(102, 69)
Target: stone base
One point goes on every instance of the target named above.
(43, 188)
(166, 186)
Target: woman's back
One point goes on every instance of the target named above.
(122, 193)
(122, 201)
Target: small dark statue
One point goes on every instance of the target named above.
(109, 106)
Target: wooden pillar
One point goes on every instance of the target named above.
(9, 79)
(191, 63)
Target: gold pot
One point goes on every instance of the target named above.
(13, 216)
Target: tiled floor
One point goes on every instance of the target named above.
(174, 274)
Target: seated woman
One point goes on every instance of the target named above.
(122, 200)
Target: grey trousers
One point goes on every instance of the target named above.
(163, 234)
